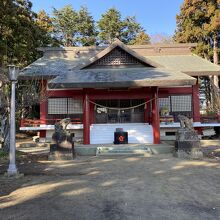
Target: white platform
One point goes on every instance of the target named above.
(195, 125)
(80, 126)
(50, 127)
(138, 133)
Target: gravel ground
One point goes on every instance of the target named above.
(158, 187)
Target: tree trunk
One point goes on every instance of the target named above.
(4, 133)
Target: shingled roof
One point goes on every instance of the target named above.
(164, 66)
(125, 77)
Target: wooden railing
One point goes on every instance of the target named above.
(37, 122)
(210, 118)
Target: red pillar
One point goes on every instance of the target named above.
(155, 116)
(43, 112)
(195, 101)
(43, 109)
(86, 120)
(196, 106)
(92, 113)
(147, 111)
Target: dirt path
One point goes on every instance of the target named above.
(159, 187)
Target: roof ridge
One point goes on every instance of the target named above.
(111, 47)
(146, 46)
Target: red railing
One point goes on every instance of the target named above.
(210, 118)
(37, 122)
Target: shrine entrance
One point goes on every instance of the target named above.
(119, 111)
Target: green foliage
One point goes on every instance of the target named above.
(141, 39)
(112, 26)
(21, 32)
(77, 28)
(86, 28)
(45, 29)
(74, 28)
(20, 35)
(65, 23)
(132, 30)
(199, 22)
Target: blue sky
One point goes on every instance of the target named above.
(156, 16)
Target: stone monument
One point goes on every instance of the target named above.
(187, 143)
(62, 146)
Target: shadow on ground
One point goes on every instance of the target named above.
(159, 187)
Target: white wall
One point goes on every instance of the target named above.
(137, 133)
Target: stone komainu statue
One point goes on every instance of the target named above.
(185, 122)
(61, 134)
(63, 142)
(187, 144)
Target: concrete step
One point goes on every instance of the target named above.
(31, 144)
(123, 151)
(126, 154)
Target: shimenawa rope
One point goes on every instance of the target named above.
(121, 109)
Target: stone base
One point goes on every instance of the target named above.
(187, 145)
(195, 153)
(61, 152)
(15, 176)
(183, 134)
(61, 156)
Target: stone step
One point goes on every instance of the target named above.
(123, 151)
(126, 151)
(31, 144)
(125, 148)
(125, 154)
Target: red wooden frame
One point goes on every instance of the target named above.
(131, 93)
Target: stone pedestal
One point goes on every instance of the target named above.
(62, 148)
(187, 144)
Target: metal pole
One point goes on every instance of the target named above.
(12, 169)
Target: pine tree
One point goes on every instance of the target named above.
(111, 26)
(86, 29)
(132, 30)
(199, 22)
(46, 29)
(20, 35)
(141, 39)
(65, 22)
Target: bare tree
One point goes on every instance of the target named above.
(211, 92)
(29, 92)
(161, 38)
(4, 111)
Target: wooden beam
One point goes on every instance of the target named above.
(196, 103)
(86, 120)
(43, 109)
(155, 116)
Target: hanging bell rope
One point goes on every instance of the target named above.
(121, 109)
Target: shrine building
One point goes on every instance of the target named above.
(139, 88)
